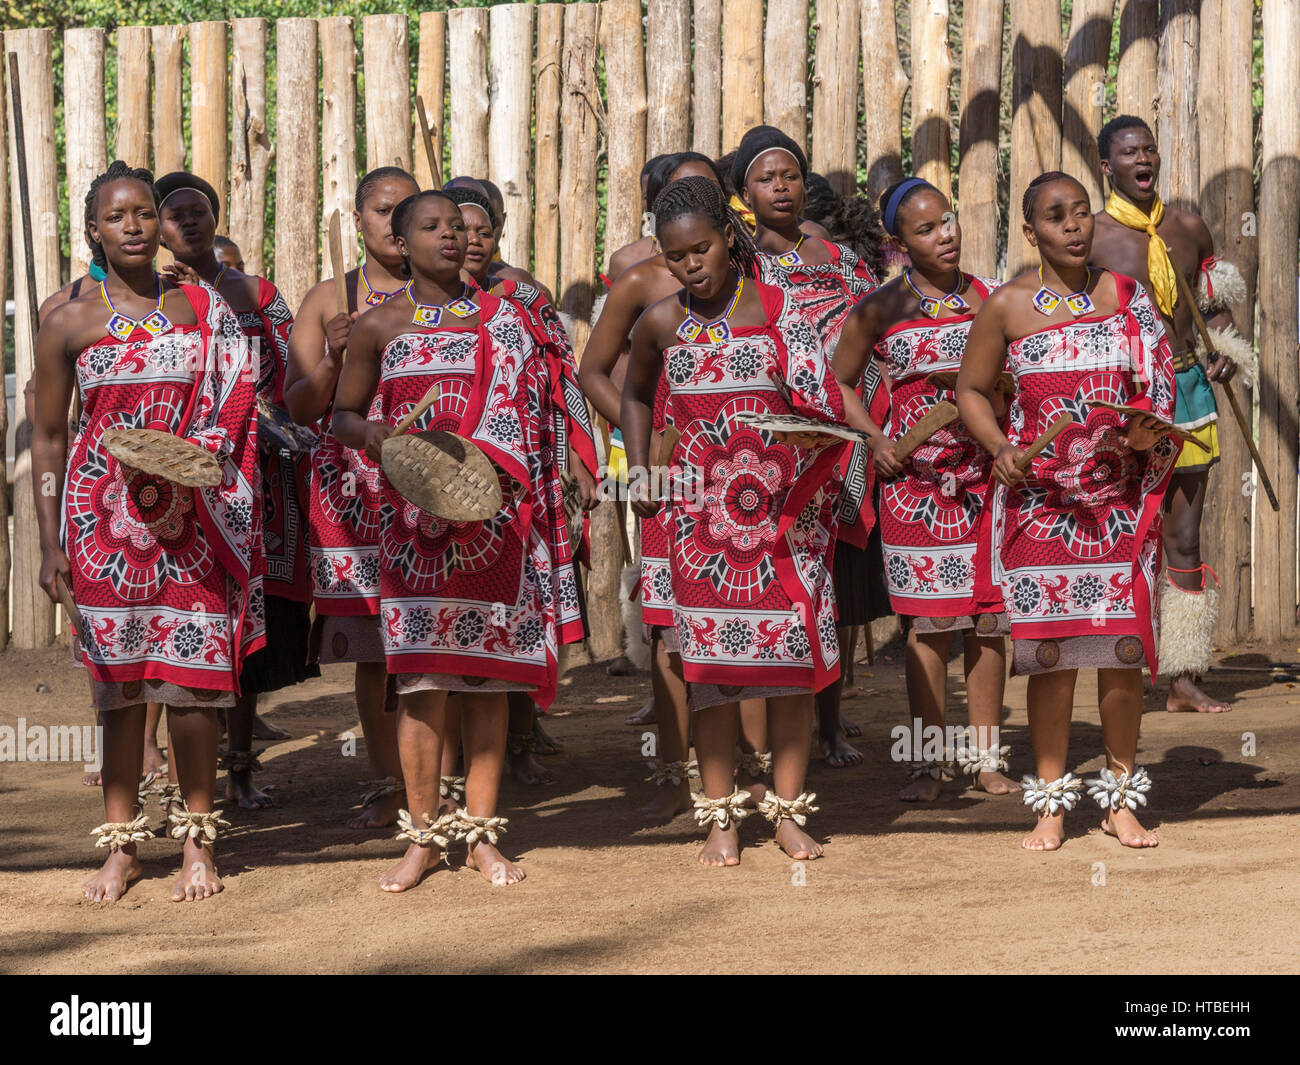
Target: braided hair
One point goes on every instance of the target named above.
(700, 196)
(1031, 190)
(117, 171)
(854, 222)
(463, 194)
(367, 183)
(402, 216)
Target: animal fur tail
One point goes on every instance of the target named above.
(638, 651)
(1187, 623)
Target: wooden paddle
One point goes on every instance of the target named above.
(435, 168)
(668, 441)
(430, 397)
(70, 606)
(1161, 425)
(1044, 438)
(941, 414)
(1185, 290)
(335, 241)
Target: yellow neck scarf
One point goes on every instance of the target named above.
(741, 208)
(1160, 268)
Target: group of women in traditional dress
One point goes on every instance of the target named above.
(748, 355)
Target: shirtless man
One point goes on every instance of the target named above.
(1130, 160)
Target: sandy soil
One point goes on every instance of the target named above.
(939, 888)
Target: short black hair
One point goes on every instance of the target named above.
(179, 180)
(381, 173)
(117, 171)
(680, 159)
(700, 196)
(1116, 125)
(463, 194)
(660, 172)
(1031, 190)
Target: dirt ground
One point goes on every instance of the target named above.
(938, 888)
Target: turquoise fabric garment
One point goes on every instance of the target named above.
(96, 271)
(1195, 401)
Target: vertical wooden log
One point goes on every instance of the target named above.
(468, 30)
(511, 122)
(1180, 45)
(580, 101)
(1035, 110)
(249, 143)
(785, 69)
(6, 549)
(835, 95)
(83, 119)
(431, 87)
(931, 72)
(1279, 232)
(386, 64)
(884, 84)
(546, 168)
(168, 108)
(625, 67)
(666, 77)
(1135, 82)
(981, 91)
(210, 108)
(133, 142)
(1085, 93)
(707, 78)
(742, 69)
(338, 66)
(33, 613)
(1228, 206)
(297, 158)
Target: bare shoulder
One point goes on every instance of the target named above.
(660, 320)
(629, 255)
(1193, 225)
(814, 229)
(515, 273)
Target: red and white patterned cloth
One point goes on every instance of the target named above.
(1077, 544)
(168, 578)
(486, 598)
(656, 574)
(752, 521)
(935, 526)
(284, 477)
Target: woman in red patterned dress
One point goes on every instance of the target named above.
(466, 607)
(1076, 537)
(825, 280)
(575, 450)
(934, 523)
(189, 208)
(167, 578)
(343, 500)
(751, 518)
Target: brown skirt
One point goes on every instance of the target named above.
(1077, 652)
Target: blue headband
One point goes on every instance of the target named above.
(891, 207)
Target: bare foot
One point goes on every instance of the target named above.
(528, 770)
(851, 730)
(1185, 697)
(1048, 834)
(381, 813)
(839, 753)
(796, 842)
(544, 744)
(667, 804)
(492, 865)
(1124, 826)
(644, 716)
(155, 762)
(722, 847)
(411, 869)
(995, 783)
(264, 730)
(198, 879)
(241, 789)
(92, 780)
(109, 884)
(922, 789)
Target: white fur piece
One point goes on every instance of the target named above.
(1187, 621)
(1236, 347)
(1226, 282)
(597, 307)
(638, 651)
(569, 322)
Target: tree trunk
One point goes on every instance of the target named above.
(338, 67)
(168, 108)
(468, 30)
(297, 158)
(884, 85)
(707, 78)
(546, 170)
(1085, 93)
(250, 145)
(83, 117)
(785, 69)
(1180, 150)
(210, 110)
(6, 552)
(931, 73)
(1135, 83)
(1035, 111)
(511, 123)
(620, 32)
(666, 75)
(133, 142)
(835, 97)
(742, 69)
(1279, 232)
(386, 64)
(981, 93)
(431, 87)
